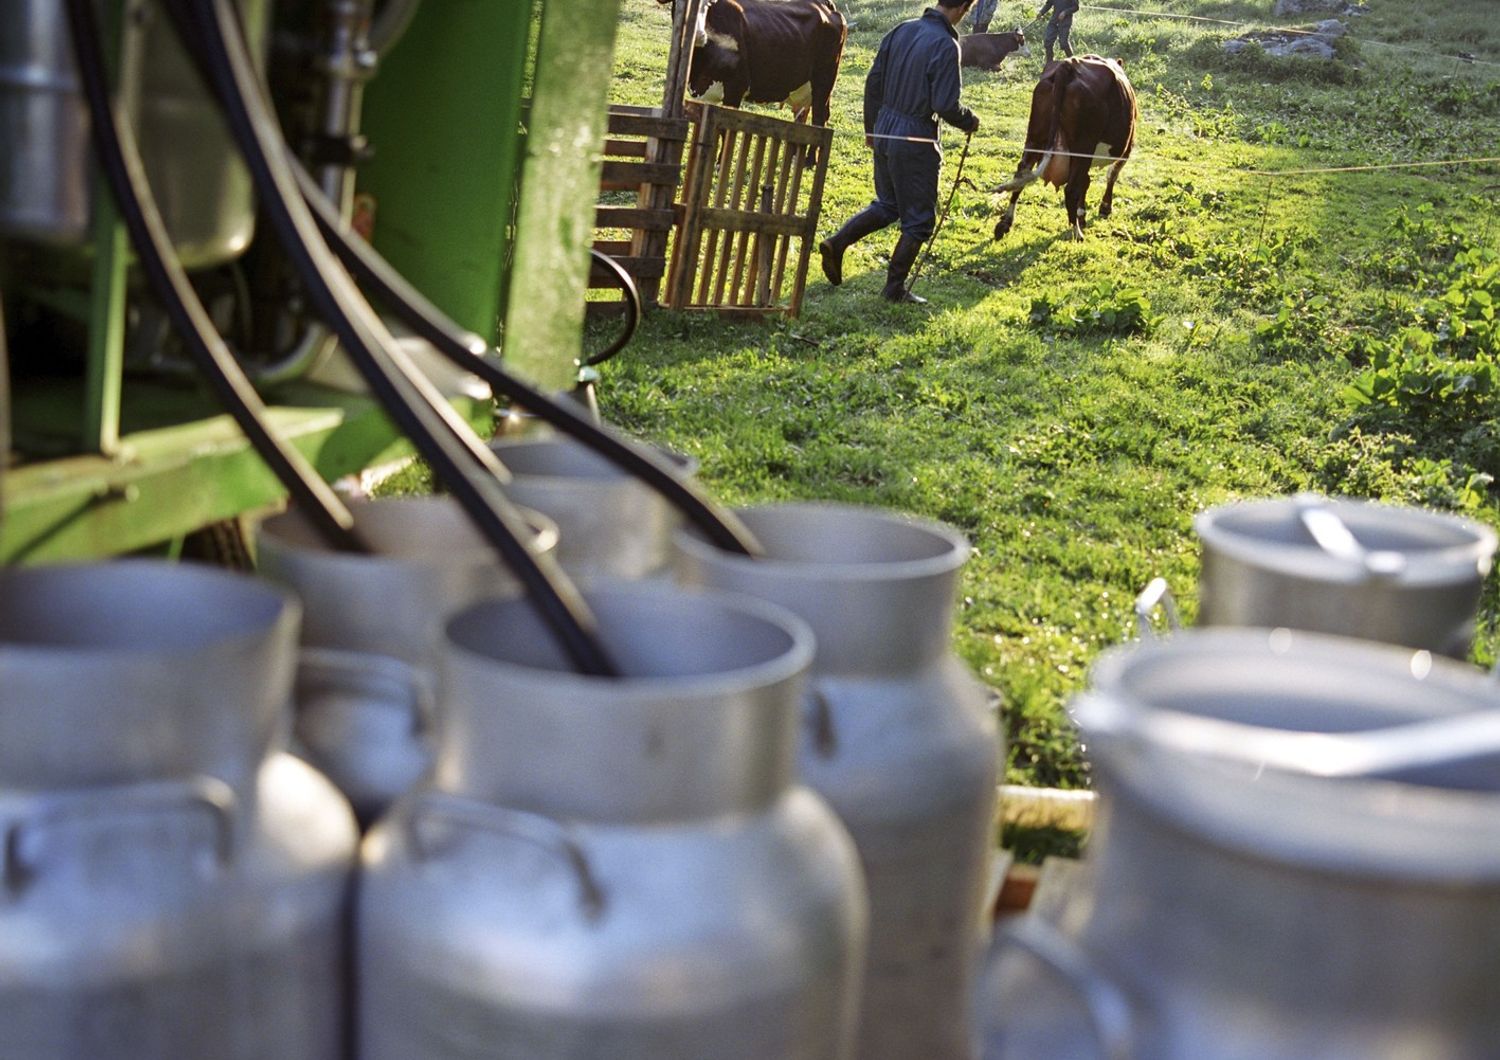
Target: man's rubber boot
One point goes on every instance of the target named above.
(856, 228)
(902, 259)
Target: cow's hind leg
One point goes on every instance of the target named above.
(1029, 160)
(1076, 195)
(1107, 204)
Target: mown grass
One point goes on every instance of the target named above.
(1074, 450)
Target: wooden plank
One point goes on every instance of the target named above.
(634, 109)
(615, 148)
(792, 192)
(723, 147)
(1017, 890)
(736, 192)
(651, 125)
(615, 248)
(635, 217)
(763, 124)
(617, 175)
(746, 221)
(637, 267)
(750, 192)
(809, 234)
(690, 231)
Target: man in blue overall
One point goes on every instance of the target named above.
(1060, 26)
(913, 82)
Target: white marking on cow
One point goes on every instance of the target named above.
(801, 97)
(714, 93)
(1101, 155)
(700, 26)
(723, 40)
(1025, 50)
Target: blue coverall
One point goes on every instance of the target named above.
(913, 82)
(1060, 26)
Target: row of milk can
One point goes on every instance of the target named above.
(1297, 851)
(770, 839)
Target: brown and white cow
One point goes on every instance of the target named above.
(768, 51)
(1083, 114)
(987, 51)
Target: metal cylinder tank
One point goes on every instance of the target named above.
(172, 885)
(1352, 568)
(46, 171)
(1287, 863)
(897, 736)
(614, 869)
(366, 695)
(611, 523)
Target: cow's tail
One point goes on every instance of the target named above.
(1061, 78)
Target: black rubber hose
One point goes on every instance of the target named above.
(467, 351)
(626, 283)
(459, 459)
(115, 145)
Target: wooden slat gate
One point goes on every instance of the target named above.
(750, 208)
(643, 154)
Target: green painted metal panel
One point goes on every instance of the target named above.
(443, 115)
(177, 470)
(560, 186)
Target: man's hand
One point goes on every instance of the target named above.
(973, 126)
(869, 141)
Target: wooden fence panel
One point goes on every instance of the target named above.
(643, 153)
(747, 211)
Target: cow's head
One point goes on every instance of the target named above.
(1021, 46)
(716, 54)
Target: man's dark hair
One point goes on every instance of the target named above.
(950, 4)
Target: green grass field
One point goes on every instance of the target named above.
(1070, 406)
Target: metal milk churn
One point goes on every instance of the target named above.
(609, 522)
(1353, 568)
(196, 176)
(614, 869)
(172, 885)
(371, 624)
(897, 737)
(1298, 855)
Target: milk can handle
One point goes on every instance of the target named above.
(202, 793)
(1156, 594)
(535, 828)
(1108, 1011)
(365, 670)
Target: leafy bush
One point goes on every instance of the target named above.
(1105, 309)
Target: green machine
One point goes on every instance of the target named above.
(410, 116)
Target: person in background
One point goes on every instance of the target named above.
(1060, 26)
(984, 13)
(913, 82)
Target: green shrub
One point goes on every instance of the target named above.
(1104, 309)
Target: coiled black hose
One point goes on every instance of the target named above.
(626, 283)
(115, 145)
(467, 351)
(459, 459)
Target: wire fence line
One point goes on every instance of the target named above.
(1008, 142)
(1144, 15)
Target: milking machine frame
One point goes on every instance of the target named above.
(115, 453)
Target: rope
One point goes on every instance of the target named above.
(958, 176)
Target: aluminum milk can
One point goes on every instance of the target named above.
(202, 187)
(365, 683)
(614, 869)
(897, 737)
(1353, 568)
(1298, 856)
(172, 885)
(609, 522)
